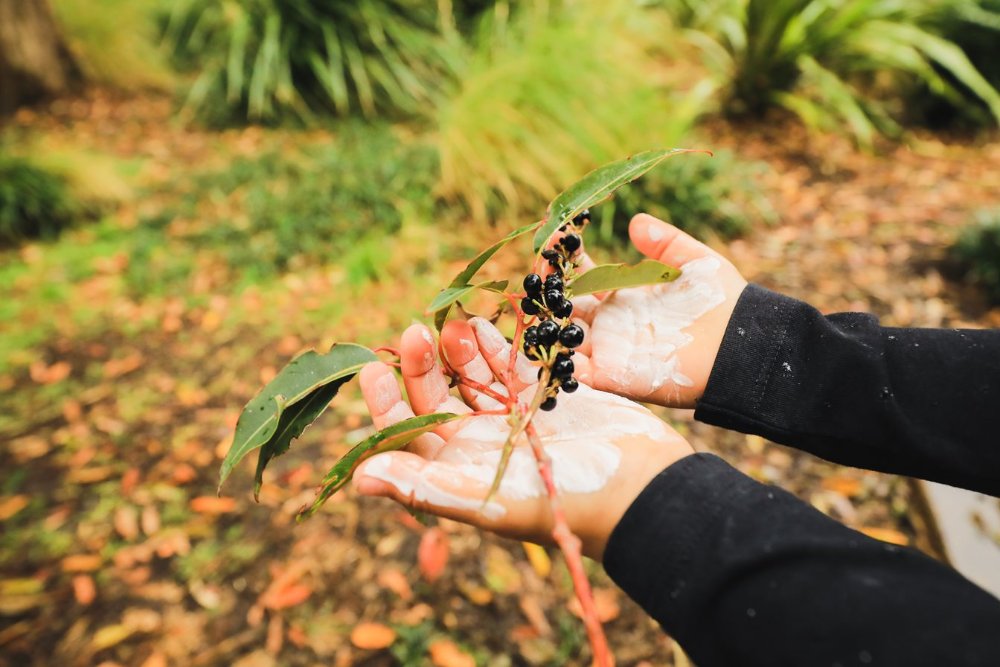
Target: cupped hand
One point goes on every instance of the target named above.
(604, 449)
(658, 343)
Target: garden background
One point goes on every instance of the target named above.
(193, 192)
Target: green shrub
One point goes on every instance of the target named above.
(34, 203)
(115, 41)
(548, 94)
(279, 211)
(973, 25)
(702, 195)
(834, 63)
(262, 60)
(978, 249)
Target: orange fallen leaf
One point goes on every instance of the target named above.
(42, 373)
(394, 580)
(11, 505)
(288, 596)
(275, 635)
(150, 520)
(81, 563)
(886, 535)
(126, 522)
(850, 487)
(432, 554)
(297, 636)
(129, 480)
(212, 505)
(446, 653)
(372, 636)
(84, 589)
(184, 473)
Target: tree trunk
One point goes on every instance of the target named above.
(35, 62)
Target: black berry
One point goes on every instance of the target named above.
(531, 336)
(569, 385)
(550, 254)
(530, 352)
(571, 336)
(548, 404)
(563, 367)
(564, 310)
(553, 298)
(581, 216)
(532, 283)
(572, 242)
(554, 282)
(529, 306)
(548, 333)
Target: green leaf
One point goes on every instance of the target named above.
(607, 277)
(448, 296)
(289, 402)
(388, 439)
(595, 187)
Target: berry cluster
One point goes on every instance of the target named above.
(549, 341)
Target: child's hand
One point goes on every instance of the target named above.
(603, 449)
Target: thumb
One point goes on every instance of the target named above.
(436, 487)
(664, 242)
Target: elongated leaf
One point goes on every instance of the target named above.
(388, 439)
(477, 263)
(607, 277)
(597, 186)
(289, 402)
(447, 297)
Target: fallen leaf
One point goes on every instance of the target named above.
(108, 636)
(84, 589)
(606, 602)
(42, 373)
(297, 636)
(850, 487)
(150, 520)
(395, 581)
(288, 596)
(126, 522)
(539, 559)
(11, 505)
(212, 505)
(129, 480)
(156, 659)
(81, 563)
(533, 611)
(372, 636)
(432, 554)
(886, 535)
(446, 653)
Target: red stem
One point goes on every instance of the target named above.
(486, 391)
(569, 544)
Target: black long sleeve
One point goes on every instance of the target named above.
(746, 575)
(919, 402)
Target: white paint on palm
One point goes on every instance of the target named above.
(637, 333)
(580, 437)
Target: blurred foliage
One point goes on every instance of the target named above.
(700, 194)
(115, 41)
(834, 63)
(263, 60)
(330, 203)
(34, 202)
(975, 27)
(549, 93)
(978, 249)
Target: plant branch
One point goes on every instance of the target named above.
(569, 544)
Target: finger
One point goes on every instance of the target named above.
(440, 488)
(587, 345)
(426, 384)
(462, 353)
(664, 242)
(387, 407)
(496, 350)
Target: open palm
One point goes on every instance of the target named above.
(604, 449)
(658, 343)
